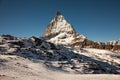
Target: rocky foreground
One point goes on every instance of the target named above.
(14, 67)
(36, 59)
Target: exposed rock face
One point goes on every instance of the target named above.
(8, 37)
(59, 31)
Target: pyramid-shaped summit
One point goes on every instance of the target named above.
(59, 25)
(59, 31)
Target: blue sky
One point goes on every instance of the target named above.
(99, 20)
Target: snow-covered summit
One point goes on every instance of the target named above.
(59, 25)
(113, 42)
(60, 31)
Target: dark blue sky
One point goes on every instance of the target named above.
(99, 20)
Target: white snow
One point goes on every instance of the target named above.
(62, 38)
(18, 68)
(92, 50)
(61, 25)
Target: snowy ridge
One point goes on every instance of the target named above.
(113, 42)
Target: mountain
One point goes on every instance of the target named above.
(113, 42)
(61, 51)
(60, 32)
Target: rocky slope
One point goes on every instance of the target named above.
(60, 58)
(14, 67)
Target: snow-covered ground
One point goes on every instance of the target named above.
(35, 59)
(14, 67)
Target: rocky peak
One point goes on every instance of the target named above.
(58, 25)
(59, 17)
(58, 13)
(60, 31)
